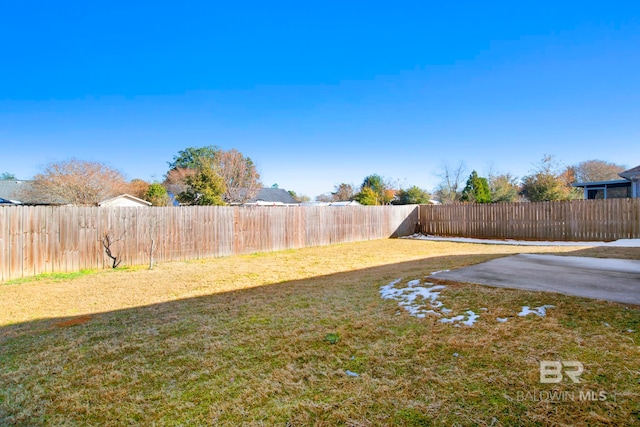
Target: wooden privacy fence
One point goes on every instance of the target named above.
(44, 239)
(576, 220)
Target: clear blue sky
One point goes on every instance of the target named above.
(319, 93)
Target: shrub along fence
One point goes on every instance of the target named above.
(576, 220)
(44, 239)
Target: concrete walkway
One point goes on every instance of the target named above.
(625, 243)
(607, 279)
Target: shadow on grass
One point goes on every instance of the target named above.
(261, 355)
(366, 280)
(231, 302)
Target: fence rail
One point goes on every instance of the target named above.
(576, 220)
(44, 239)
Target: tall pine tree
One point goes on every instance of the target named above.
(476, 190)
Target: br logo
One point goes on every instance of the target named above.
(551, 371)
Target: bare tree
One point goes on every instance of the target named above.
(240, 175)
(138, 188)
(343, 193)
(76, 182)
(324, 198)
(176, 180)
(452, 178)
(153, 235)
(108, 242)
(596, 170)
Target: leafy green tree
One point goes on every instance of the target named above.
(157, 195)
(192, 157)
(542, 187)
(504, 188)
(375, 182)
(476, 190)
(412, 196)
(378, 192)
(546, 182)
(239, 173)
(205, 187)
(299, 198)
(367, 196)
(6, 176)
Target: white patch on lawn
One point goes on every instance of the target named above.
(413, 298)
(470, 315)
(452, 319)
(540, 311)
(419, 301)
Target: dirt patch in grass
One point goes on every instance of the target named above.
(72, 322)
(268, 339)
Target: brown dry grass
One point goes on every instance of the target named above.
(243, 341)
(117, 289)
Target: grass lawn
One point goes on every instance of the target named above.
(267, 339)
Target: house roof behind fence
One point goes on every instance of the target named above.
(631, 173)
(273, 195)
(114, 200)
(23, 191)
(10, 189)
(601, 183)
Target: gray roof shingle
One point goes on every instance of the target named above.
(273, 195)
(12, 189)
(628, 174)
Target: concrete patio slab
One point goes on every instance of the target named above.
(599, 278)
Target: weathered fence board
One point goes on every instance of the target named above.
(576, 220)
(45, 239)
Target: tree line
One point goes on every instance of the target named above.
(548, 180)
(196, 176)
(210, 175)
